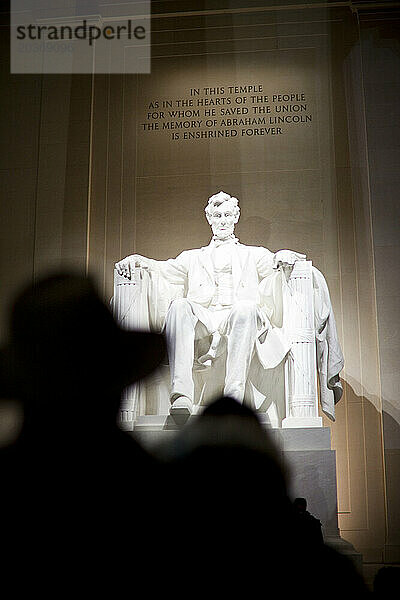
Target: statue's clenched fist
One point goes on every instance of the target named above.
(284, 258)
(126, 267)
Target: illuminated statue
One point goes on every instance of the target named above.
(223, 306)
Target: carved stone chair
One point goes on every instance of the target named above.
(292, 399)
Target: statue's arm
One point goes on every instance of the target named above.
(270, 266)
(264, 262)
(174, 269)
(268, 262)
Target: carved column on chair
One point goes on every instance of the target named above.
(127, 292)
(301, 367)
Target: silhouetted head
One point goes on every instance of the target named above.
(65, 344)
(226, 448)
(226, 406)
(300, 505)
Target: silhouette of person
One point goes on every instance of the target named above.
(235, 521)
(73, 480)
(228, 477)
(308, 527)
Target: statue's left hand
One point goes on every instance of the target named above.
(286, 258)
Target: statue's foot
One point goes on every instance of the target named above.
(181, 406)
(235, 392)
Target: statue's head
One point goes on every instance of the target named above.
(222, 212)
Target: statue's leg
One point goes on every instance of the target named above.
(241, 333)
(180, 324)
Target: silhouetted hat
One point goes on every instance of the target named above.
(63, 335)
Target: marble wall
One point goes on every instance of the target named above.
(44, 170)
(86, 184)
(380, 49)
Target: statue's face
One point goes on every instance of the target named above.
(222, 220)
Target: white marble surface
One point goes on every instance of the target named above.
(205, 300)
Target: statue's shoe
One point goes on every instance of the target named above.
(181, 406)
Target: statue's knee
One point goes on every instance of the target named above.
(180, 306)
(244, 310)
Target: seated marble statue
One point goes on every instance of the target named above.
(229, 300)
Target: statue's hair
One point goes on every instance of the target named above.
(218, 199)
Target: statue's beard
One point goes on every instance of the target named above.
(227, 232)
